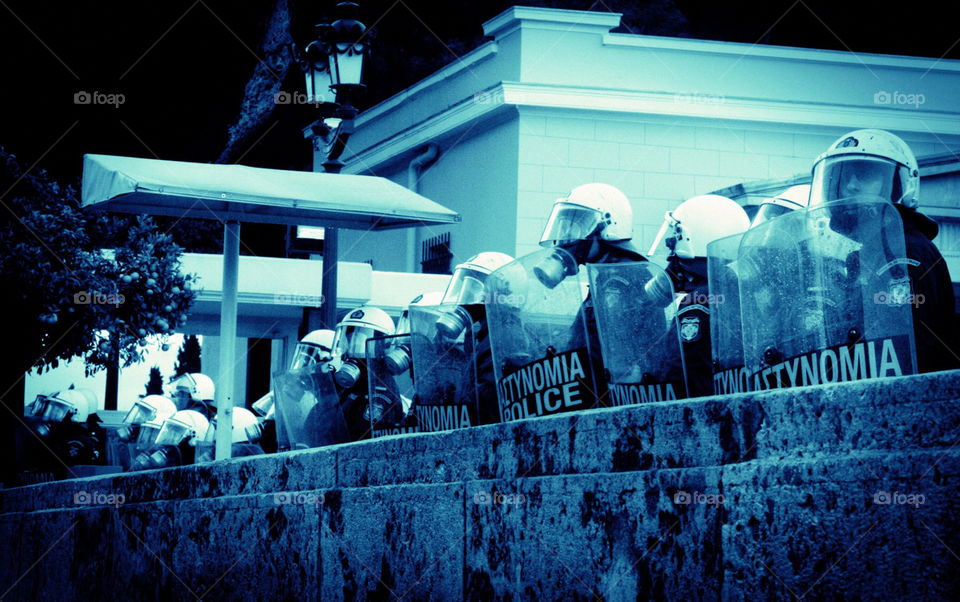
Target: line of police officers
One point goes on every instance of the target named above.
(717, 305)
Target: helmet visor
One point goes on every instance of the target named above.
(569, 223)
(666, 240)
(56, 410)
(403, 324)
(139, 413)
(173, 432)
(846, 177)
(37, 407)
(147, 435)
(351, 341)
(767, 212)
(307, 355)
(465, 288)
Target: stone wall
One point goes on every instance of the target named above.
(843, 490)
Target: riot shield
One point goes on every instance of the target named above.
(836, 277)
(307, 406)
(863, 266)
(726, 329)
(444, 367)
(390, 386)
(637, 323)
(538, 336)
(781, 298)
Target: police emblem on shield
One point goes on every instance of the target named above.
(690, 329)
(900, 291)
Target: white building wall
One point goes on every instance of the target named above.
(659, 161)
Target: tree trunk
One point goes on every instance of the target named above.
(113, 377)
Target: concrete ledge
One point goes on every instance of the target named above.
(841, 490)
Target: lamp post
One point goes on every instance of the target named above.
(333, 70)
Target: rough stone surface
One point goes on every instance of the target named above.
(839, 491)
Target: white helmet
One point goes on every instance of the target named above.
(246, 428)
(587, 210)
(196, 387)
(466, 284)
(149, 408)
(696, 222)
(69, 402)
(872, 163)
(315, 347)
(187, 425)
(359, 325)
(791, 199)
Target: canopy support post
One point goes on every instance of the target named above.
(228, 338)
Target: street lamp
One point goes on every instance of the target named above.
(334, 62)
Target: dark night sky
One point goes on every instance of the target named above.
(182, 65)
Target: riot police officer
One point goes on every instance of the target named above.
(875, 163)
(349, 364)
(684, 236)
(594, 224)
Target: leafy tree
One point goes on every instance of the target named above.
(188, 359)
(68, 297)
(155, 384)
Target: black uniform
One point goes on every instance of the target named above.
(694, 317)
(934, 312)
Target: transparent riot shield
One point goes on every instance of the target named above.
(444, 366)
(637, 323)
(726, 329)
(391, 391)
(538, 336)
(781, 298)
(862, 263)
(307, 407)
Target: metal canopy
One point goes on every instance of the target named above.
(254, 194)
(236, 193)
